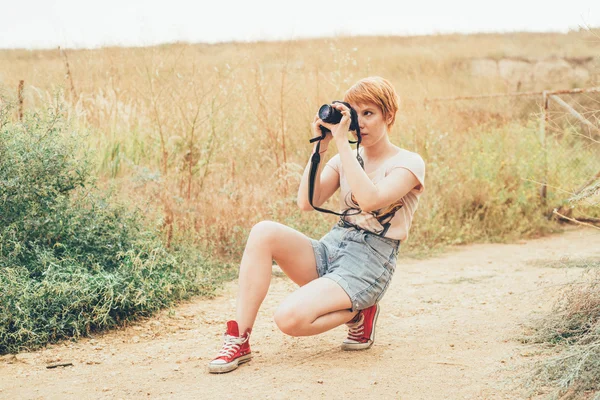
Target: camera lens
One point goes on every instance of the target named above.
(329, 114)
(325, 112)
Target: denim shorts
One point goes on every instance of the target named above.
(361, 262)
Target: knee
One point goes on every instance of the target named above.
(264, 231)
(289, 321)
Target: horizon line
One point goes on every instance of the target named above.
(300, 38)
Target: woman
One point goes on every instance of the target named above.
(344, 275)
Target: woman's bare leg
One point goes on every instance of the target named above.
(316, 307)
(270, 241)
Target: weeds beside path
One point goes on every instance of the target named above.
(448, 329)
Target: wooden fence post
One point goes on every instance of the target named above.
(543, 123)
(20, 99)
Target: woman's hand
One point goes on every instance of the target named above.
(340, 131)
(317, 132)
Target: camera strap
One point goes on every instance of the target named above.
(314, 167)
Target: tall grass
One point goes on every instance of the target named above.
(216, 136)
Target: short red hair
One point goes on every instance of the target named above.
(376, 90)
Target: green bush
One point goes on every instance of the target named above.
(72, 260)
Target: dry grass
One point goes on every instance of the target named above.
(570, 335)
(215, 137)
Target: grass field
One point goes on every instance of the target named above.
(213, 138)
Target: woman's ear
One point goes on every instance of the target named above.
(389, 118)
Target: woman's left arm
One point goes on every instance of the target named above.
(370, 196)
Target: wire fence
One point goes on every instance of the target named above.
(565, 158)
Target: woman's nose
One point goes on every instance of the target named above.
(360, 123)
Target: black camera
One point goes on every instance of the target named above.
(332, 115)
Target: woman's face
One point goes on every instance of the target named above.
(372, 123)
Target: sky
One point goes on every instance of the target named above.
(35, 24)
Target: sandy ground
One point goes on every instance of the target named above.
(448, 329)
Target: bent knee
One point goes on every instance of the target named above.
(264, 230)
(289, 321)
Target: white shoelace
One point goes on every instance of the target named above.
(231, 345)
(356, 330)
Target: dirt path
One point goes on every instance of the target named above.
(446, 331)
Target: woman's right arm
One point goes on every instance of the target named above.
(327, 181)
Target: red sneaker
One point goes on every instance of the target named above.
(235, 350)
(361, 333)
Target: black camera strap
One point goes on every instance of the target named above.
(316, 159)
